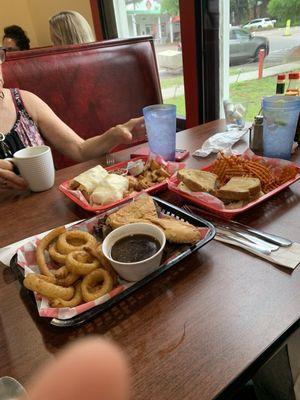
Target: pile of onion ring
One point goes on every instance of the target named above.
(79, 271)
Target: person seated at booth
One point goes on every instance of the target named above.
(26, 120)
(15, 39)
(69, 27)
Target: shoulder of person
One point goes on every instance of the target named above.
(32, 103)
(29, 97)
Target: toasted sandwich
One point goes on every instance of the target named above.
(240, 188)
(198, 180)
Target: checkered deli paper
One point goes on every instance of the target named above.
(211, 202)
(27, 260)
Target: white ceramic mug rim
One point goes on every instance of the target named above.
(19, 157)
(162, 245)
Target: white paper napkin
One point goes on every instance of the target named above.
(7, 252)
(220, 141)
(288, 257)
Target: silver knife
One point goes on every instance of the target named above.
(280, 241)
(254, 239)
(245, 243)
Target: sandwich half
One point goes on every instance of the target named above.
(198, 180)
(240, 188)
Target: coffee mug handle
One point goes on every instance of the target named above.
(12, 160)
(15, 166)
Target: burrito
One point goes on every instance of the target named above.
(88, 180)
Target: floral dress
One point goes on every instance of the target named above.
(24, 133)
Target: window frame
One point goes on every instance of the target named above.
(200, 54)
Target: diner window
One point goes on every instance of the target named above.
(224, 39)
(160, 19)
(254, 26)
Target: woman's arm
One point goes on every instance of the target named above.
(66, 141)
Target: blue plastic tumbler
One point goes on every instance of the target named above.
(280, 121)
(160, 121)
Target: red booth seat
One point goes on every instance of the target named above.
(91, 87)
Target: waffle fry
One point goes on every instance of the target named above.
(226, 167)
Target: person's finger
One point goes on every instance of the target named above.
(134, 123)
(123, 134)
(9, 178)
(137, 128)
(6, 165)
(141, 131)
(91, 369)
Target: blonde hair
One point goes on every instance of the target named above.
(70, 27)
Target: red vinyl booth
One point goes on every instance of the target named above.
(91, 87)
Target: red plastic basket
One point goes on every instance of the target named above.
(64, 187)
(228, 213)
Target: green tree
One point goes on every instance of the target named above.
(239, 11)
(170, 7)
(252, 7)
(284, 9)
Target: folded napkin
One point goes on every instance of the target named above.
(220, 141)
(7, 252)
(288, 257)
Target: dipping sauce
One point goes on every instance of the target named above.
(134, 248)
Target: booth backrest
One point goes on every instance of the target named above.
(91, 87)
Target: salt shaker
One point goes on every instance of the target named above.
(256, 135)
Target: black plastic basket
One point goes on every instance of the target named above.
(166, 208)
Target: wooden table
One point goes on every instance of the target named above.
(196, 332)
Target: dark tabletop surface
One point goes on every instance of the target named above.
(188, 334)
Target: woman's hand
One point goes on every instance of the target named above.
(8, 179)
(132, 130)
(96, 146)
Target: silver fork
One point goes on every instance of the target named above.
(110, 160)
(263, 248)
(237, 226)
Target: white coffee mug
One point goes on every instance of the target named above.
(36, 167)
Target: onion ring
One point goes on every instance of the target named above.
(104, 263)
(61, 272)
(79, 262)
(64, 246)
(42, 246)
(75, 301)
(62, 277)
(39, 284)
(89, 292)
(50, 279)
(55, 255)
(68, 280)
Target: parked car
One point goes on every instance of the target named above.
(260, 23)
(244, 46)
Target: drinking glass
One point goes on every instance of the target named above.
(160, 121)
(235, 114)
(10, 389)
(280, 121)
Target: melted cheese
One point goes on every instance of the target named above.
(110, 189)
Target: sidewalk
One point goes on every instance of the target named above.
(271, 71)
(176, 91)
